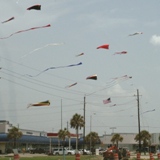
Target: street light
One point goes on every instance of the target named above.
(113, 128)
(91, 130)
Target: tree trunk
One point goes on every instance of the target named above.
(77, 141)
(14, 143)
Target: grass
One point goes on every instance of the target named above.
(82, 157)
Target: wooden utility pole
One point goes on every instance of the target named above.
(61, 114)
(139, 126)
(84, 123)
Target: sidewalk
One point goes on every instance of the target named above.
(147, 156)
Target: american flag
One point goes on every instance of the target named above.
(107, 101)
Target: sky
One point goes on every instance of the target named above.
(80, 27)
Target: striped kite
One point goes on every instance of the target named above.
(72, 65)
(8, 20)
(123, 52)
(44, 103)
(136, 33)
(71, 85)
(25, 31)
(36, 7)
(50, 44)
(93, 77)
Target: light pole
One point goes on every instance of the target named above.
(91, 130)
(113, 128)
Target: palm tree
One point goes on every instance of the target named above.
(62, 134)
(144, 136)
(91, 139)
(116, 138)
(14, 134)
(77, 122)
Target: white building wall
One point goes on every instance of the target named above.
(33, 133)
(155, 138)
(5, 126)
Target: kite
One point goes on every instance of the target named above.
(116, 80)
(136, 33)
(72, 65)
(148, 111)
(44, 103)
(113, 105)
(123, 52)
(26, 30)
(93, 77)
(8, 20)
(81, 54)
(36, 7)
(105, 46)
(107, 101)
(51, 44)
(71, 85)
(122, 77)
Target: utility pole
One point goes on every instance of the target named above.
(67, 125)
(61, 114)
(84, 123)
(139, 126)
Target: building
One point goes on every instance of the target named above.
(128, 140)
(36, 139)
(31, 138)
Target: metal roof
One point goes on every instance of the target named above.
(36, 139)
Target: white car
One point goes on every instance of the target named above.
(60, 151)
(86, 152)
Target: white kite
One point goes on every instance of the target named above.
(136, 33)
(50, 44)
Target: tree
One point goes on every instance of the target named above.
(14, 134)
(91, 139)
(116, 138)
(62, 134)
(144, 137)
(77, 122)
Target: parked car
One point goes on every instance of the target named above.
(101, 151)
(60, 151)
(86, 152)
(142, 150)
(37, 150)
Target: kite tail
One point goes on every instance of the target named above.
(29, 105)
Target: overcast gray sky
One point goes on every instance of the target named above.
(80, 27)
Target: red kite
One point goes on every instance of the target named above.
(81, 54)
(105, 46)
(36, 7)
